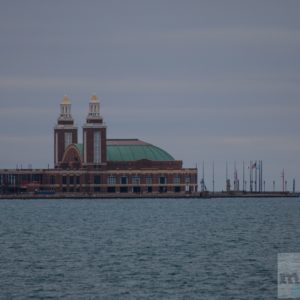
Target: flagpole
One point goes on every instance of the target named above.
(255, 173)
(213, 171)
(250, 175)
(243, 176)
(261, 180)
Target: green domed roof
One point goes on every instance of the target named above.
(133, 149)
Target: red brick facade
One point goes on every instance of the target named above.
(59, 142)
(88, 143)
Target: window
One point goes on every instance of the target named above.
(149, 180)
(97, 179)
(162, 180)
(136, 189)
(123, 189)
(97, 148)
(177, 189)
(163, 189)
(187, 179)
(136, 180)
(52, 179)
(36, 177)
(71, 179)
(77, 179)
(149, 189)
(124, 180)
(64, 180)
(111, 180)
(97, 189)
(68, 139)
(176, 179)
(111, 189)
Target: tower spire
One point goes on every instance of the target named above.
(65, 109)
(94, 110)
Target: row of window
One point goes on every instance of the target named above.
(13, 179)
(72, 179)
(135, 189)
(75, 179)
(123, 180)
(136, 180)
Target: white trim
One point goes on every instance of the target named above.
(93, 125)
(56, 147)
(97, 147)
(84, 147)
(63, 127)
(68, 139)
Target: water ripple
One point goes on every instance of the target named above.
(145, 249)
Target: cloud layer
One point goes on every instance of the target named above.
(214, 81)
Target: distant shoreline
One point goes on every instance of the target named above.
(200, 195)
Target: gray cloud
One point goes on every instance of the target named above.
(206, 80)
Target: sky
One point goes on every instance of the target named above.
(210, 81)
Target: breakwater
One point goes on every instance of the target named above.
(154, 195)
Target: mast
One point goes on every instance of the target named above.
(203, 187)
(255, 173)
(213, 173)
(250, 175)
(226, 170)
(282, 176)
(261, 176)
(227, 179)
(243, 176)
(203, 171)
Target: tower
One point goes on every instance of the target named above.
(65, 133)
(94, 136)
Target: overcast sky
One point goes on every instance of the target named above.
(205, 80)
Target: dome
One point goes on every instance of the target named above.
(134, 149)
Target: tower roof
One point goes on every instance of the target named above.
(94, 98)
(94, 111)
(65, 117)
(65, 100)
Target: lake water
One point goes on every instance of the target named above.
(145, 248)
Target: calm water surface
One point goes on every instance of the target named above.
(145, 249)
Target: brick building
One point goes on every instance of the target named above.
(99, 165)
